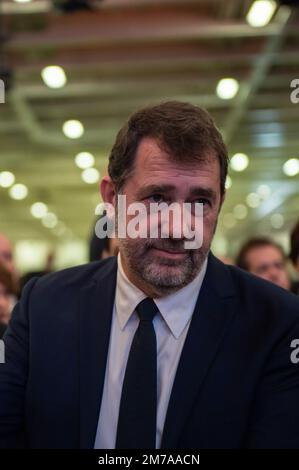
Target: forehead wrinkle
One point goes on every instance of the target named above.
(150, 155)
(160, 166)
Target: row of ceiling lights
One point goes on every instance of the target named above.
(253, 200)
(240, 161)
(39, 210)
(231, 219)
(85, 161)
(259, 14)
(54, 76)
(17, 191)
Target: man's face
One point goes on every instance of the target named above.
(164, 263)
(268, 263)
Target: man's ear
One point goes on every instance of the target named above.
(107, 190)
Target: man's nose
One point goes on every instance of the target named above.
(176, 229)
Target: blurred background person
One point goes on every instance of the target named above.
(102, 248)
(226, 260)
(8, 291)
(294, 255)
(7, 262)
(49, 267)
(6, 255)
(266, 259)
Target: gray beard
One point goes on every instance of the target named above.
(164, 276)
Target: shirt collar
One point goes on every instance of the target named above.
(176, 309)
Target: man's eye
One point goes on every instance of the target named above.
(203, 201)
(156, 198)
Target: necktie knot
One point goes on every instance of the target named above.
(146, 310)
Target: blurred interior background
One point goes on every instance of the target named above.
(75, 69)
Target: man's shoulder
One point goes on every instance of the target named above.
(295, 287)
(257, 300)
(264, 295)
(75, 277)
(259, 285)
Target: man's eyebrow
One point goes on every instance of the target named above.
(156, 189)
(167, 188)
(206, 192)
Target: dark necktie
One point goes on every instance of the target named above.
(138, 406)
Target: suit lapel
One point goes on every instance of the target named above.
(212, 315)
(96, 307)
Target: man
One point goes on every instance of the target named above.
(266, 259)
(164, 346)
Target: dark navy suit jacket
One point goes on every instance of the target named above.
(235, 387)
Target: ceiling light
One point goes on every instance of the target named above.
(240, 211)
(277, 220)
(84, 160)
(50, 220)
(291, 167)
(264, 191)
(18, 191)
(73, 129)
(253, 200)
(22, 1)
(38, 210)
(261, 12)
(90, 175)
(227, 88)
(239, 162)
(7, 179)
(54, 76)
(60, 229)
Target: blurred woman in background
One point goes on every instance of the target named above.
(8, 292)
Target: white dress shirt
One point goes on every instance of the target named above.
(171, 327)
